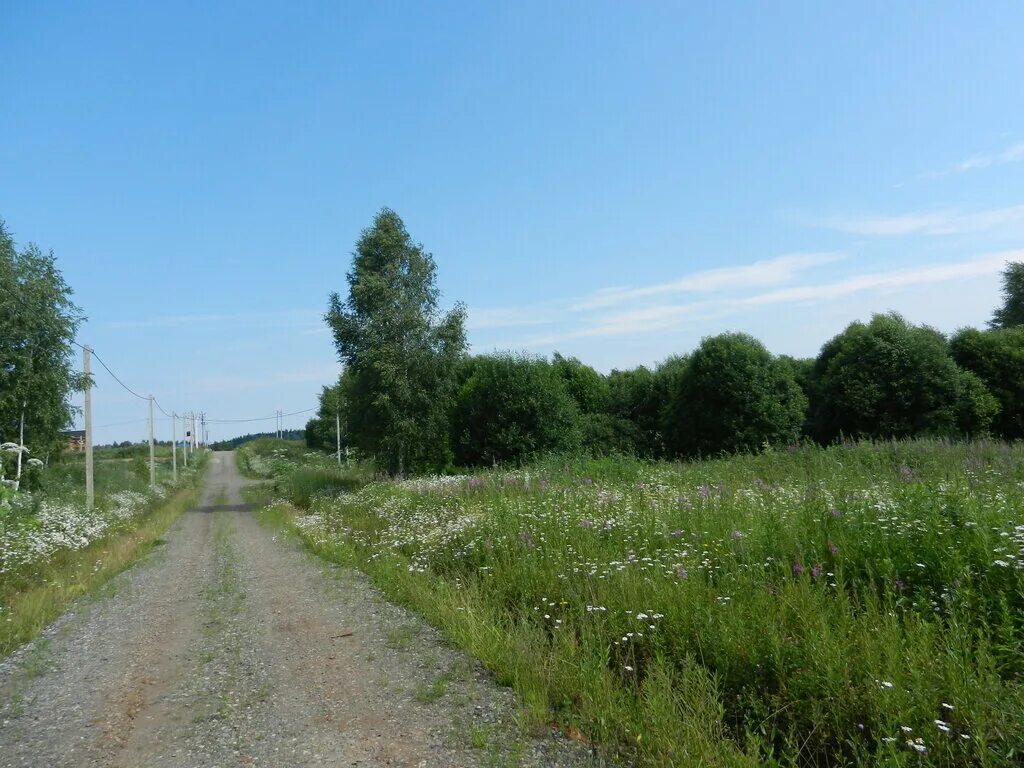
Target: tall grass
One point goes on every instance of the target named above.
(300, 475)
(303, 485)
(114, 470)
(851, 605)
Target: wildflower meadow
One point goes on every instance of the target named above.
(851, 605)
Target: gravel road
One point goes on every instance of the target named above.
(229, 646)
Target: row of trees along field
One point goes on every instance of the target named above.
(412, 398)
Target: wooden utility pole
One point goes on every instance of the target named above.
(89, 491)
(174, 445)
(152, 449)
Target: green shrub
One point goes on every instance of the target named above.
(585, 386)
(510, 409)
(891, 379)
(606, 435)
(733, 396)
(997, 358)
(637, 400)
(631, 401)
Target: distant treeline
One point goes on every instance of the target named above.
(230, 445)
(412, 399)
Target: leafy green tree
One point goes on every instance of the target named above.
(997, 358)
(321, 430)
(976, 407)
(888, 378)
(602, 433)
(637, 400)
(585, 385)
(607, 435)
(803, 368)
(400, 350)
(316, 435)
(733, 396)
(634, 411)
(1011, 314)
(38, 322)
(511, 409)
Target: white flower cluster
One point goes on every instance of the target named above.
(259, 465)
(433, 484)
(57, 524)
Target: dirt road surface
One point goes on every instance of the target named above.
(230, 646)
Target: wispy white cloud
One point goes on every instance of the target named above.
(939, 222)
(1012, 154)
(775, 271)
(759, 274)
(658, 317)
(878, 281)
(478, 318)
(675, 316)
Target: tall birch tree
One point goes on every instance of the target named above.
(399, 348)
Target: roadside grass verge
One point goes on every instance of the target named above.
(301, 486)
(299, 475)
(263, 458)
(34, 596)
(855, 605)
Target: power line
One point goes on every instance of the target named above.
(125, 423)
(123, 385)
(170, 416)
(118, 423)
(260, 418)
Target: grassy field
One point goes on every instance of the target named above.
(855, 605)
(52, 550)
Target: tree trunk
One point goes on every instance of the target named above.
(21, 449)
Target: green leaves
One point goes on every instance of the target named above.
(888, 378)
(732, 395)
(512, 408)
(399, 349)
(38, 322)
(1011, 314)
(996, 357)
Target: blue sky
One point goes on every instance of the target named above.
(610, 180)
